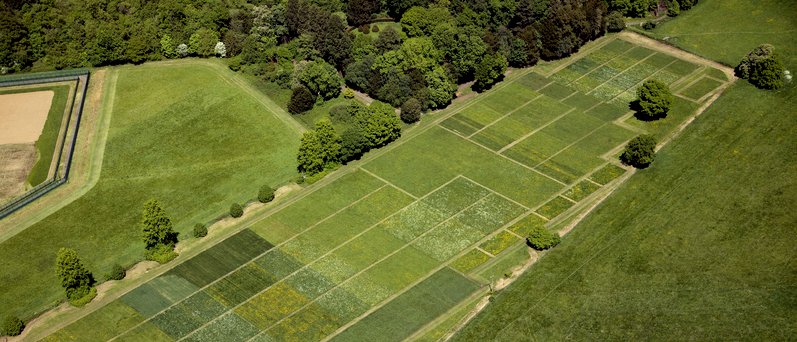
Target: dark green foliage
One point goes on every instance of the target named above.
(649, 25)
(202, 42)
(358, 12)
(301, 100)
(673, 8)
(518, 54)
(640, 151)
(762, 67)
(687, 4)
(156, 226)
(387, 40)
(74, 277)
(320, 78)
(540, 238)
(200, 230)
(236, 210)
(12, 326)
(309, 157)
(411, 110)
(359, 74)
(330, 141)
(375, 28)
(353, 144)
(615, 22)
(489, 72)
(265, 194)
(117, 273)
(654, 100)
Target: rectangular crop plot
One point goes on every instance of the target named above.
(183, 318)
(681, 67)
(455, 196)
(229, 327)
(343, 304)
(100, 325)
(638, 52)
(518, 124)
(466, 263)
(534, 81)
(510, 98)
(312, 323)
(701, 88)
(581, 190)
(413, 221)
(241, 284)
(490, 214)
(607, 174)
(222, 258)
(157, 294)
(367, 249)
(309, 283)
(316, 206)
(272, 305)
(145, 332)
(617, 46)
(527, 224)
(660, 60)
(555, 207)
(608, 112)
(499, 242)
(448, 239)
(557, 91)
(581, 101)
(411, 310)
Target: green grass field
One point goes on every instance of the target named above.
(182, 133)
(45, 145)
(436, 217)
(699, 246)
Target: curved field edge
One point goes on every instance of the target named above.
(698, 246)
(225, 174)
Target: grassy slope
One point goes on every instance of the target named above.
(47, 140)
(179, 133)
(700, 246)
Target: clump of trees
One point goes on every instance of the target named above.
(236, 210)
(640, 151)
(158, 233)
(411, 110)
(540, 238)
(301, 100)
(762, 67)
(117, 272)
(12, 326)
(654, 100)
(265, 194)
(76, 280)
(200, 230)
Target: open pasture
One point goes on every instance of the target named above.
(183, 133)
(408, 235)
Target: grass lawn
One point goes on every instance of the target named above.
(180, 133)
(700, 245)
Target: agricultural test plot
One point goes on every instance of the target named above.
(383, 251)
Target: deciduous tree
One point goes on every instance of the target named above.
(654, 100)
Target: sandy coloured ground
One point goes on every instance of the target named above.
(16, 160)
(22, 116)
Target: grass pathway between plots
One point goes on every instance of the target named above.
(419, 227)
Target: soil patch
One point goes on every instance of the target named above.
(17, 161)
(22, 116)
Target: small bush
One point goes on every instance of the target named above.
(12, 326)
(266, 194)
(375, 28)
(348, 93)
(301, 100)
(87, 297)
(639, 152)
(540, 238)
(615, 22)
(161, 253)
(316, 177)
(200, 230)
(365, 28)
(649, 25)
(236, 210)
(673, 8)
(411, 110)
(117, 273)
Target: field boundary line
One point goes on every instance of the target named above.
(624, 71)
(599, 66)
(527, 135)
(388, 182)
(274, 246)
(306, 265)
(503, 156)
(494, 192)
(472, 299)
(583, 53)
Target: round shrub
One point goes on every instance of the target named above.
(541, 238)
(640, 151)
(236, 210)
(12, 326)
(615, 22)
(649, 25)
(200, 230)
(117, 273)
(160, 253)
(301, 100)
(375, 28)
(654, 100)
(365, 28)
(348, 93)
(411, 110)
(266, 194)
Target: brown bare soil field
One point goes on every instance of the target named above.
(17, 160)
(22, 116)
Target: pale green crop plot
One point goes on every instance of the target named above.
(382, 251)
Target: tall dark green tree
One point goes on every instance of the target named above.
(640, 151)
(330, 141)
(310, 158)
(359, 12)
(75, 278)
(762, 67)
(156, 226)
(490, 70)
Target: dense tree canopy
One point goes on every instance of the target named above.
(654, 100)
(762, 67)
(640, 151)
(156, 226)
(74, 277)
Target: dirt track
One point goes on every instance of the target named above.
(22, 116)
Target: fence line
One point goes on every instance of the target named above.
(81, 76)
